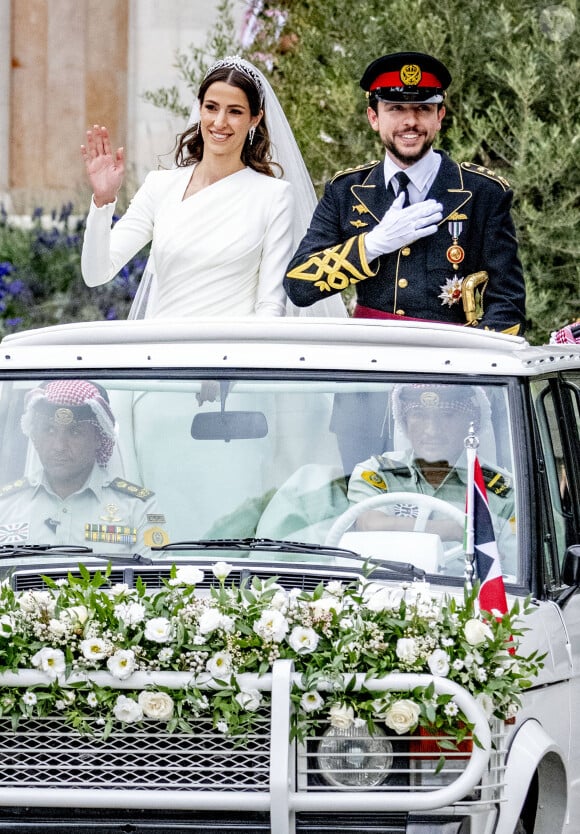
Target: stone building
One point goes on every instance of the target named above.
(66, 64)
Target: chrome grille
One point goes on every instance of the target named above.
(50, 754)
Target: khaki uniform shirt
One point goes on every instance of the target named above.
(109, 515)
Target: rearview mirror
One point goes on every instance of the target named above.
(229, 425)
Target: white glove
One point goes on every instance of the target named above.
(401, 226)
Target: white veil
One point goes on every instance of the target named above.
(286, 153)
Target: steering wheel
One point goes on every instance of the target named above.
(426, 504)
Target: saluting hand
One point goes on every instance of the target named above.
(104, 169)
(401, 226)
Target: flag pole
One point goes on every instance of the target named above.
(470, 443)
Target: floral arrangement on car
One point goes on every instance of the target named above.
(82, 641)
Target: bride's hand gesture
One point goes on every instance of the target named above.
(105, 169)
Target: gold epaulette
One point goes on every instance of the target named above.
(15, 486)
(126, 487)
(366, 165)
(497, 482)
(485, 172)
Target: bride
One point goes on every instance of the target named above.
(223, 223)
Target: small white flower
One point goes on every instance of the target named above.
(158, 705)
(76, 615)
(406, 649)
(222, 727)
(280, 601)
(311, 701)
(51, 661)
(29, 698)
(402, 715)
(165, 655)
(127, 710)
(158, 630)
(92, 700)
(210, 621)
(379, 598)
(119, 589)
(221, 570)
(130, 613)
(94, 648)
(451, 709)
(122, 664)
(220, 665)
(438, 662)
(486, 703)
(322, 607)
(56, 628)
(512, 710)
(272, 626)
(249, 699)
(303, 640)
(189, 575)
(335, 588)
(477, 632)
(6, 625)
(341, 716)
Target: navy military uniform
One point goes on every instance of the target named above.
(467, 272)
(410, 282)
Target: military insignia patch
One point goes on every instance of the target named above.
(110, 533)
(131, 489)
(410, 75)
(374, 479)
(15, 533)
(155, 537)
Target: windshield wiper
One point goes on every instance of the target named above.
(283, 546)
(13, 550)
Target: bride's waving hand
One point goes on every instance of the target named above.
(105, 169)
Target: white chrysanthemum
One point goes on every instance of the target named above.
(130, 613)
(451, 709)
(158, 705)
(438, 662)
(303, 640)
(272, 626)
(249, 699)
(221, 570)
(158, 630)
(311, 701)
(122, 664)
(341, 716)
(94, 648)
(127, 710)
(51, 661)
(220, 665)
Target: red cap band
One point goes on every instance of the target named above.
(393, 79)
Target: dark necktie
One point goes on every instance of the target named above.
(403, 181)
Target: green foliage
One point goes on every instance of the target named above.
(513, 106)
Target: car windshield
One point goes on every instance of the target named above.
(376, 467)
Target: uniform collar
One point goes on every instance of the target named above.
(95, 483)
(421, 173)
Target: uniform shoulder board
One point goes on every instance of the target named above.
(485, 172)
(497, 482)
(366, 166)
(15, 486)
(127, 488)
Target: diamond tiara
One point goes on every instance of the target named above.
(243, 66)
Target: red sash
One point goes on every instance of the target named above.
(361, 312)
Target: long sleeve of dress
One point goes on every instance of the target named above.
(276, 252)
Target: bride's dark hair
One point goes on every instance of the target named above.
(257, 154)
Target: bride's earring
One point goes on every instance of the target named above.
(251, 134)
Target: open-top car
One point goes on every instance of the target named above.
(238, 591)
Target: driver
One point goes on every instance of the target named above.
(435, 419)
(75, 500)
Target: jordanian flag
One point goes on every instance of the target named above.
(480, 540)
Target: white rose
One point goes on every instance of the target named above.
(341, 716)
(130, 613)
(51, 661)
(378, 598)
(249, 699)
(485, 703)
(438, 662)
(406, 649)
(94, 648)
(280, 601)
(322, 607)
(477, 632)
(34, 602)
(221, 570)
(272, 626)
(127, 710)
(189, 575)
(122, 664)
(157, 705)
(76, 615)
(56, 628)
(335, 588)
(311, 701)
(402, 716)
(158, 630)
(220, 665)
(303, 640)
(210, 621)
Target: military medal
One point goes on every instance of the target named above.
(455, 253)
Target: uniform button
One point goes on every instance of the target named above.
(64, 509)
(403, 283)
(400, 312)
(406, 251)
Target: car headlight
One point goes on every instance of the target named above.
(354, 758)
